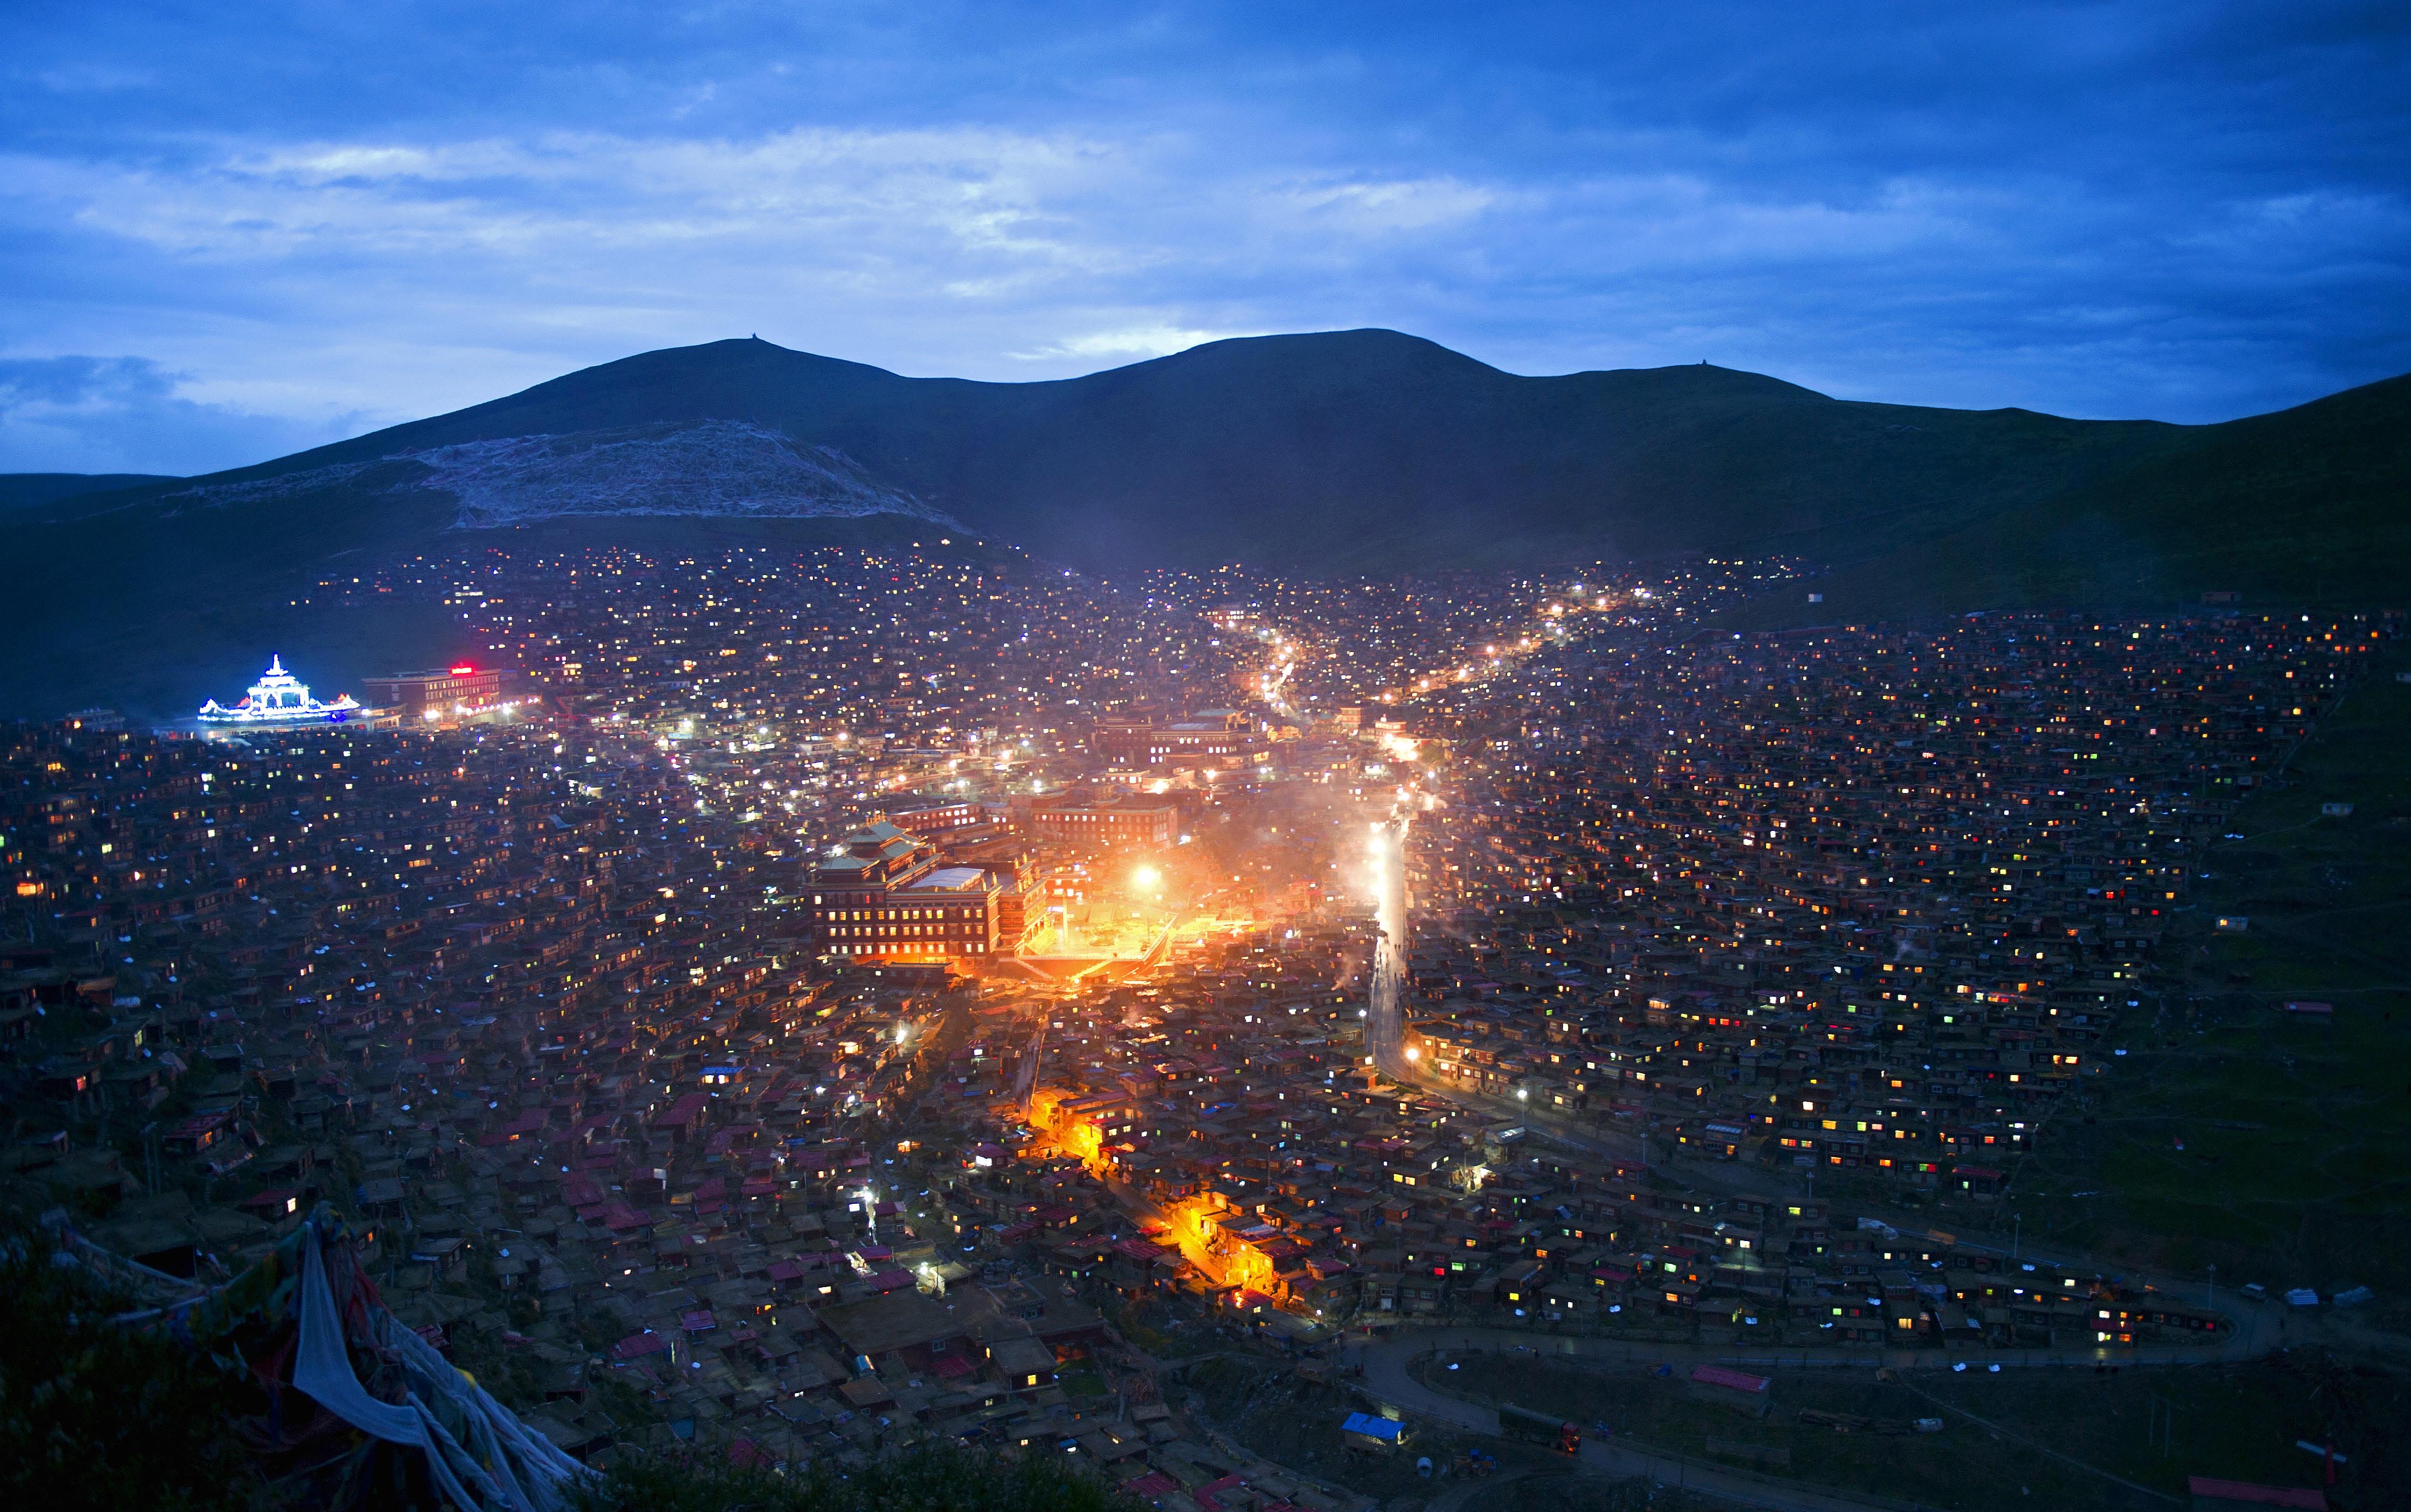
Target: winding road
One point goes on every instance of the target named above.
(1386, 1375)
(1386, 1363)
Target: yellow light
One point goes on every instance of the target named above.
(1148, 877)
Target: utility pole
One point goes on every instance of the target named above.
(2017, 1233)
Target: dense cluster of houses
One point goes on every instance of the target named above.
(1848, 902)
(1844, 905)
(538, 1032)
(1216, 1134)
(1833, 922)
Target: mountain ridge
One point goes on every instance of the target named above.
(1349, 451)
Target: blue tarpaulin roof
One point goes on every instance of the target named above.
(1386, 1429)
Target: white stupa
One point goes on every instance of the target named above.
(280, 698)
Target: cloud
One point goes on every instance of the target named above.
(1397, 206)
(94, 78)
(1131, 341)
(2125, 208)
(124, 414)
(78, 384)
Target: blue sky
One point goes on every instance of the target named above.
(230, 231)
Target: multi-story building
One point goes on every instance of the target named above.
(1138, 823)
(439, 695)
(1021, 900)
(884, 895)
(940, 819)
(1210, 738)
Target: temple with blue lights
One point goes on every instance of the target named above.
(279, 698)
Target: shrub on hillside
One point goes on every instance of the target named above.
(95, 1414)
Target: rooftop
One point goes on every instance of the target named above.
(949, 879)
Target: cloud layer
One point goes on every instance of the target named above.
(241, 234)
(125, 414)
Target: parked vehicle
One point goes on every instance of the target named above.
(1538, 1427)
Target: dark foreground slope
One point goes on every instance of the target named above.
(1360, 451)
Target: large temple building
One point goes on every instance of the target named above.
(1208, 738)
(279, 699)
(884, 894)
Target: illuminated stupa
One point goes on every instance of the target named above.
(280, 698)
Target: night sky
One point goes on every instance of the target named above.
(230, 231)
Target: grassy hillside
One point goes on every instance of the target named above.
(150, 607)
(2313, 505)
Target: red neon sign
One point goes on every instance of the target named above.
(462, 670)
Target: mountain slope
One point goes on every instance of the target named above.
(32, 490)
(2309, 504)
(1347, 450)
(1356, 451)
